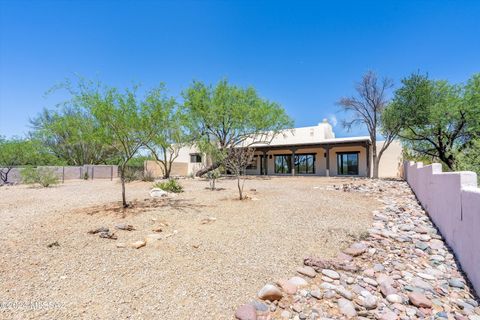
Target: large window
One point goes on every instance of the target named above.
(347, 163)
(304, 164)
(283, 164)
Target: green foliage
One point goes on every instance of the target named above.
(438, 119)
(224, 116)
(20, 152)
(72, 134)
(172, 185)
(469, 159)
(45, 177)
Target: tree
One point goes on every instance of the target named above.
(237, 162)
(71, 133)
(126, 122)
(170, 137)
(437, 119)
(367, 108)
(225, 116)
(17, 152)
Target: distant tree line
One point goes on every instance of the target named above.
(99, 124)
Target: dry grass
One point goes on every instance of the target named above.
(202, 271)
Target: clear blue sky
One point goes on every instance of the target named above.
(304, 55)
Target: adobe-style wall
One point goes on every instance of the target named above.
(452, 200)
(73, 172)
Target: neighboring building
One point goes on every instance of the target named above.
(306, 151)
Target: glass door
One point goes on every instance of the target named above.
(347, 163)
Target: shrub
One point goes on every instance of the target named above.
(148, 176)
(85, 176)
(132, 174)
(171, 185)
(42, 176)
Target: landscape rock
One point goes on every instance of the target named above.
(138, 244)
(307, 271)
(347, 308)
(419, 300)
(246, 312)
(158, 193)
(270, 292)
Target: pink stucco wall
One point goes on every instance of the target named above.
(452, 200)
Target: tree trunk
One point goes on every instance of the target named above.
(240, 189)
(122, 180)
(376, 165)
(375, 159)
(4, 175)
(211, 167)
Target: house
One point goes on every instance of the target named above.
(304, 151)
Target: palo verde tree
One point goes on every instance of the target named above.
(367, 108)
(438, 119)
(224, 117)
(127, 122)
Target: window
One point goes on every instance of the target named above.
(347, 163)
(195, 158)
(283, 164)
(305, 164)
(253, 164)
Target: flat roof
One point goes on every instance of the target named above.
(333, 141)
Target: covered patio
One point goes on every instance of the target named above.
(333, 157)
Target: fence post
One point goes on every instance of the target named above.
(93, 171)
(63, 174)
(111, 173)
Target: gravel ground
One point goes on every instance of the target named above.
(197, 271)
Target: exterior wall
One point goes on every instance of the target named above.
(156, 169)
(73, 172)
(391, 162)
(181, 165)
(452, 200)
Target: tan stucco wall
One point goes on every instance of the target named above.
(391, 161)
(156, 169)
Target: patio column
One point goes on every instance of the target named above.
(327, 154)
(265, 164)
(293, 160)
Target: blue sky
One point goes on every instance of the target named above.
(304, 55)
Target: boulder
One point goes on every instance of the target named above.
(158, 193)
(419, 300)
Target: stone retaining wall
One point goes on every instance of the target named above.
(452, 200)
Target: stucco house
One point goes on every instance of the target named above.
(303, 151)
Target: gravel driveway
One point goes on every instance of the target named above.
(196, 271)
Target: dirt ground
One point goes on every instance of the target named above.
(196, 271)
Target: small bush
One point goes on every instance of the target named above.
(132, 174)
(43, 176)
(171, 185)
(85, 176)
(148, 176)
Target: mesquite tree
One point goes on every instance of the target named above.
(225, 116)
(438, 119)
(128, 123)
(366, 109)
